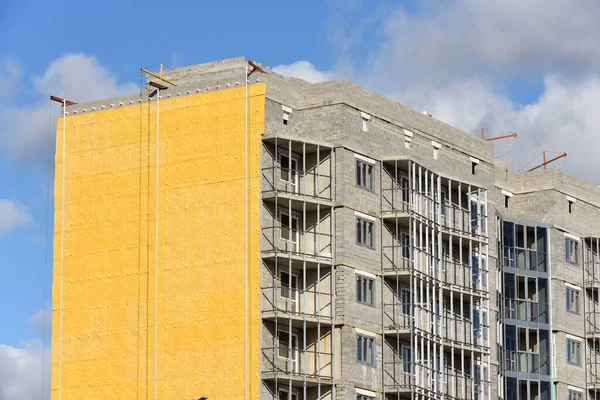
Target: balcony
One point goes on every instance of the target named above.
(452, 330)
(297, 173)
(284, 185)
(459, 386)
(457, 275)
(593, 371)
(396, 379)
(300, 298)
(460, 333)
(526, 362)
(401, 203)
(311, 248)
(591, 262)
(396, 260)
(297, 366)
(526, 310)
(399, 379)
(397, 319)
(400, 261)
(457, 209)
(525, 259)
(592, 324)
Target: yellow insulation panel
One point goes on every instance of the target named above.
(107, 286)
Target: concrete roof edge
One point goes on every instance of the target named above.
(551, 179)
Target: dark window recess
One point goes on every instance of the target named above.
(365, 233)
(365, 290)
(571, 251)
(364, 175)
(574, 352)
(572, 300)
(405, 245)
(365, 349)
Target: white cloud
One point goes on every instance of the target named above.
(21, 370)
(468, 37)
(27, 132)
(304, 70)
(457, 59)
(12, 216)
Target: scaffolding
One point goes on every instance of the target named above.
(436, 303)
(297, 274)
(591, 304)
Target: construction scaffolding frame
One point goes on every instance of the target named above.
(297, 274)
(435, 273)
(591, 309)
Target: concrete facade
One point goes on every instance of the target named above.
(425, 292)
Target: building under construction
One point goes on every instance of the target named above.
(229, 233)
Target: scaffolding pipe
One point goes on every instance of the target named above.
(62, 245)
(156, 245)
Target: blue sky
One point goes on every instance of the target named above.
(529, 67)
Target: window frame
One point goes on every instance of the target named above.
(364, 232)
(365, 342)
(574, 344)
(359, 287)
(366, 182)
(405, 246)
(291, 218)
(405, 307)
(443, 200)
(575, 394)
(294, 290)
(571, 247)
(573, 294)
(294, 351)
(406, 363)
(293, 173)
(477, 326)
(404, 189)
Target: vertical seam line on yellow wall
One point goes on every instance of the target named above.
(156, 250)
(246, 233)
(62, 244)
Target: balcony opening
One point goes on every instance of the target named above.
(289, 172)
(405, 188)
(289, 230)
(288, 350)
(289, 289)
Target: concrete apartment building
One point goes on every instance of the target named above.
(550, 269)
(246, 235)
